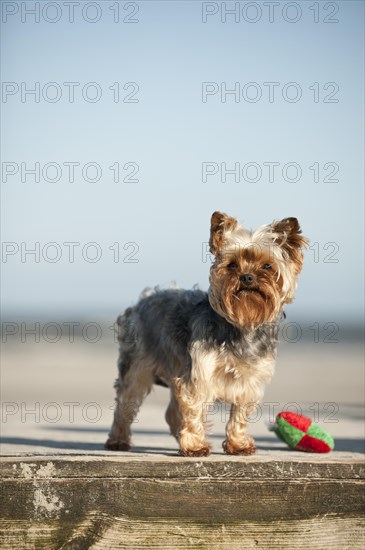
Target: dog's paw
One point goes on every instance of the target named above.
(203, 451)
(112, 445)
(245, 447)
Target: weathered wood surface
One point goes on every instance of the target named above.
(99, 531)
(283, 465)
(72, 502)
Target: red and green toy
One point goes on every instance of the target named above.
(301, 434)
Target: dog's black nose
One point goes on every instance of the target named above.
(247, 279)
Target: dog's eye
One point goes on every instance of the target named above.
(266, 266)
(232, 265)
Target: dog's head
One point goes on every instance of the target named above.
(254, 273)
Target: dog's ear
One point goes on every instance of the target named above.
(289, 237)
(220, 224)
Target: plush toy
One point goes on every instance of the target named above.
(300, 433)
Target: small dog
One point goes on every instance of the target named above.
(205, 347)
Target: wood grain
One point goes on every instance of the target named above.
(101, 502)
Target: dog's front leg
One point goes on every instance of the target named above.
(192, 440)
(237, 441)
(193, 392)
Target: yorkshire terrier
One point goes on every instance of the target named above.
(220, 345)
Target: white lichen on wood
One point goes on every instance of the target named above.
(46, 503)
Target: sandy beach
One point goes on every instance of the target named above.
(58, 397)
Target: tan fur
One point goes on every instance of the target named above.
(220, 376)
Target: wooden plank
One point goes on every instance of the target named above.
(204, 500)
(74, 502)
(102, 532)
(213, 467)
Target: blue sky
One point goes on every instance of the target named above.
(161, 221)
